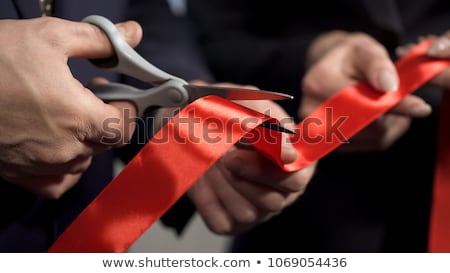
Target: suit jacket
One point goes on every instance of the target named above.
(31, 224)
(367, 202)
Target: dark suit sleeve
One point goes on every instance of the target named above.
(169, 44)
(247, 43)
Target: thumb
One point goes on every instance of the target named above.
(89, 41)
(115, 122)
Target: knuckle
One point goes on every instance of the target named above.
(51, 30)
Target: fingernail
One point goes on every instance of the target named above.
(421, 111)
(388, 81)
(126, 30)
(440, 48)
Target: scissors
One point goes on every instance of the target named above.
(167, 90)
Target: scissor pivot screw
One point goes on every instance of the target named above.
(175, 95)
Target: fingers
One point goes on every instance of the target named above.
(372, 59)
(104, 124)
(440, 48)
(209, 207)
(228, 204)
(263, 198)
(266, 196)
(239, 208)
(244, 189)
(89, 41)
(412, 106)
(359, 58)
(402, 50)
(251, 166)
(396, 128)
(369, 61)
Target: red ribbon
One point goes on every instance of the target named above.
(158, 176)
(164, 170)
(439, 238)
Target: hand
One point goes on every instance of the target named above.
(244, 188)
(440, 48)
(51, 125)
(339, 59)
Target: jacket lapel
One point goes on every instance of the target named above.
(384, 13)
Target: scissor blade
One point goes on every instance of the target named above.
(233, 93)
(276, 127)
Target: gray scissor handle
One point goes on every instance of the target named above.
(128, 61)
(168, 94)
(168, 90)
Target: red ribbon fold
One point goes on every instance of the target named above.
(164, 170)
